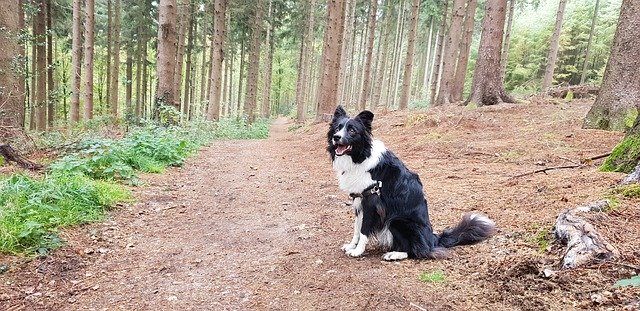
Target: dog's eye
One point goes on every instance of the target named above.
(351, 131)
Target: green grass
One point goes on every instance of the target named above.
(31, 210)
(432, 277)
(82, 185)
(628, 191)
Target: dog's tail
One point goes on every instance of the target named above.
(472, 229)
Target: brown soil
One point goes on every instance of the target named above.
(258, 225)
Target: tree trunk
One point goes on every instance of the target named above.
(51, 96)
(366, 80)
(439, 49)
(265, 110)
(251, 96)
(88, 59)
(488, 88)
(452, 50)
(115, 70)
(348, 60)
(136, 108)
(240, 76)
(424, 90)
(32, 93)
(145, 77)
(300, 83)
(382, 66)
(11, 94)
(217, 50)
(41, 67)
(616, 107)
(585, 67)
(461, 68)
(306, 63)
(76, 60)
(128, 80)
(188, 85)
(204, 69)
(182, 23)
(109, 52)
(167, 40)
(553, 47)
(504, 59)
(408, 64)
(332, 48)
(393, 79)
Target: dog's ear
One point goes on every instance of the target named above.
(367, 118)
(339, 113)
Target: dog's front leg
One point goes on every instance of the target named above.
(367, 223)
(357, 225)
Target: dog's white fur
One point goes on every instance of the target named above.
(354, 178)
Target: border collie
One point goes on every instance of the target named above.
(388, 201)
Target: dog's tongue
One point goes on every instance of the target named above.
(341, 149)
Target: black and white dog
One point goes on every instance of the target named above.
(387, 197)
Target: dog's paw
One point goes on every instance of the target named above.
(348, 247)
(355, 252)
(391, 256)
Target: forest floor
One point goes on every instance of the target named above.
(258, 225)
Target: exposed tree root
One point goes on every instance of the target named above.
(11, 155)
(584, 244)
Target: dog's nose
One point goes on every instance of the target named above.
(336, 137)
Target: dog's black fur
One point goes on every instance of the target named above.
(400, 206)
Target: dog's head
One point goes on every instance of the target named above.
(350, 136)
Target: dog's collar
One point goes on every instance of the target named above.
(369, 191)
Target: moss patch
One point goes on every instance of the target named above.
(630, 117)
(624, 157)
(628, 191)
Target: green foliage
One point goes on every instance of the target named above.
(237, 128)
(624, 157)
(432, 277)
(32, 209)
(542, 237)
(628, 191)
(633, 281)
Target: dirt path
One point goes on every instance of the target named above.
(258, 225)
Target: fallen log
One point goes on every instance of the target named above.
(10, 155)
(578, 91)
(584, 244)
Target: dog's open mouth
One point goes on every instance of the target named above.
(343, 149)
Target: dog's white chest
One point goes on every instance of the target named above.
(355, 177)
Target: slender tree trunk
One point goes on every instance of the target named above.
(240, 76)
(507, 40)
(251, 96)
(300, 83)
(217, 50)
(488, 88)
(204, 69)
(11, 92)
(115, 71)
(331, 55)
(452, 51)
(145, 77)
(265, 107)
(583, 76)
(188, 65)
(392, 89)
(109, 52)
(553, 47)
(439, 50)
(366, 83)
(76, 59)
(461, 69)
(306, 62)
(34, 74)
(382, 67)
(41, 67)
(51, 96)
(428, 62)
(136, 108)
(348, 41)
(88, 58)
(128, 80)
(408, 64)
(167, 40)
(182, 22)
(617, 104)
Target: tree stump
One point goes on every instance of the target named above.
(11, 155)
(584, 244)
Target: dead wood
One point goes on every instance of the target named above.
(11, 155)
(544, 170)
(584, 244)
(578, 91)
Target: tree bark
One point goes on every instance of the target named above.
(109, 52)
(553, 47)
(383, 58)
(204, 69)
(424, 89)
(585, 66)
(33, 73)
(265, 110)
(366, 80)
(251, 96)
(452, 50)
(136, 108)
(616, 107)
(188, 85)
(115, 70)
(408, 64)
(128, 80)
(76, 60)
(439, 50)
(306, 63)
(41, 68)
(88, 58)
(167, 40)
(504, 59)
(332, 48)
(463, 59)
(51, 96)
(488, 88)
(182, 22)
(11, 95)
(217, 50)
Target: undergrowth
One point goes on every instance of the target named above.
(432, 277)
(84, 183)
